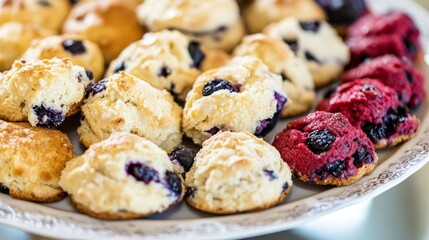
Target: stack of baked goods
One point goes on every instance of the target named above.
(141, 75)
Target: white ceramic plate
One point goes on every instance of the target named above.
(305, 203)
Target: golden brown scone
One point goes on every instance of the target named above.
(122, 177)
(31, 161)
(15, 38)
(214, 58)
(260, 13)
(48, 14)
(81, 52)
(111, 24)
(237, 172)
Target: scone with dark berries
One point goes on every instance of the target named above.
(31, 161)
(237, 172)
(324, 148)
(243, 96)
(43, 92)
(122, 177)
(374, 108)
(124, 103)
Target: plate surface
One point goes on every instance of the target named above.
(306, 202)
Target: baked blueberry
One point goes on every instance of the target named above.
(343, 11)
(218, 85)
(312, 26)
(4, 189)
(292, 43)
(196, 54)
(173, 182)
(75, 47)
(119, 67)
(184, 155)
(270, 174)
(319, 141)
(165, 71)
(99, 86)
(142, 172)
(48, 117)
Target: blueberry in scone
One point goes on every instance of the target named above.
(297, 81)
(80, 52)
(213, 23)
(31, 161)
(242, 96)
(43, 92)
(374, 108)
(324, 148)
(124, 103)
(132, 175)
(316, 43)
(399, 74)
(237, 172)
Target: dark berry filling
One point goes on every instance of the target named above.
(48, 117)
(411, 46)
(312, 26)
(196, 54)
(89, 74)
(165, 71)
(292, 43)
(362, 156)
(174, 183)
(410, 76)
(336, 168)
(119, 67)
(142, 172)
(265, 126)
(281, 101)
(99, 86)
(343, 11)
(218, 85)
(4, 189)
(184, 155)
(310, 57)
(270, 174)
(213, 130)
(319, 141)
(285, 186)
(75, 47)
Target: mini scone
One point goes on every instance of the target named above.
(325, 149)
(166, 60)
(243, 96)
(15, 38)
(237, 172)
(42, 92)
(122, 177)
(31, 161)
(315, 42)
(297, 81)
(374, 108)
(124, 103)
(261, 13)
(80, 52)
(214, 23)
(112, 24)
(48, 14)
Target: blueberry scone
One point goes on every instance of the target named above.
(260, 13)
(48, 14)
(315, 42)
(124, 103)
(166, 60)
(374, 108)
(297, 81)
(237, 172)
(31, 161)
(122, 177)
(113, 25)
(43, 92)
(325, 149)
(243, 96)
(80, 52)
(214, 23)
(15, 38)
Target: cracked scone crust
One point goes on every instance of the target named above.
(31, 161)
(122, 177)
(112, 24)
(15, 38)
(167, 60)
(48, 14)
(315, 42)
(260, 13)
(42, 92)
(214, 23)
(237, 172)
(81, 52)
(297, 81)
(124, 103)
(242, 96)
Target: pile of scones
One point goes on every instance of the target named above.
(136, 76)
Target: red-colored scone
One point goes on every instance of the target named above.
(395, 73)
(376, 109)
(391, 33)
(324, 148)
